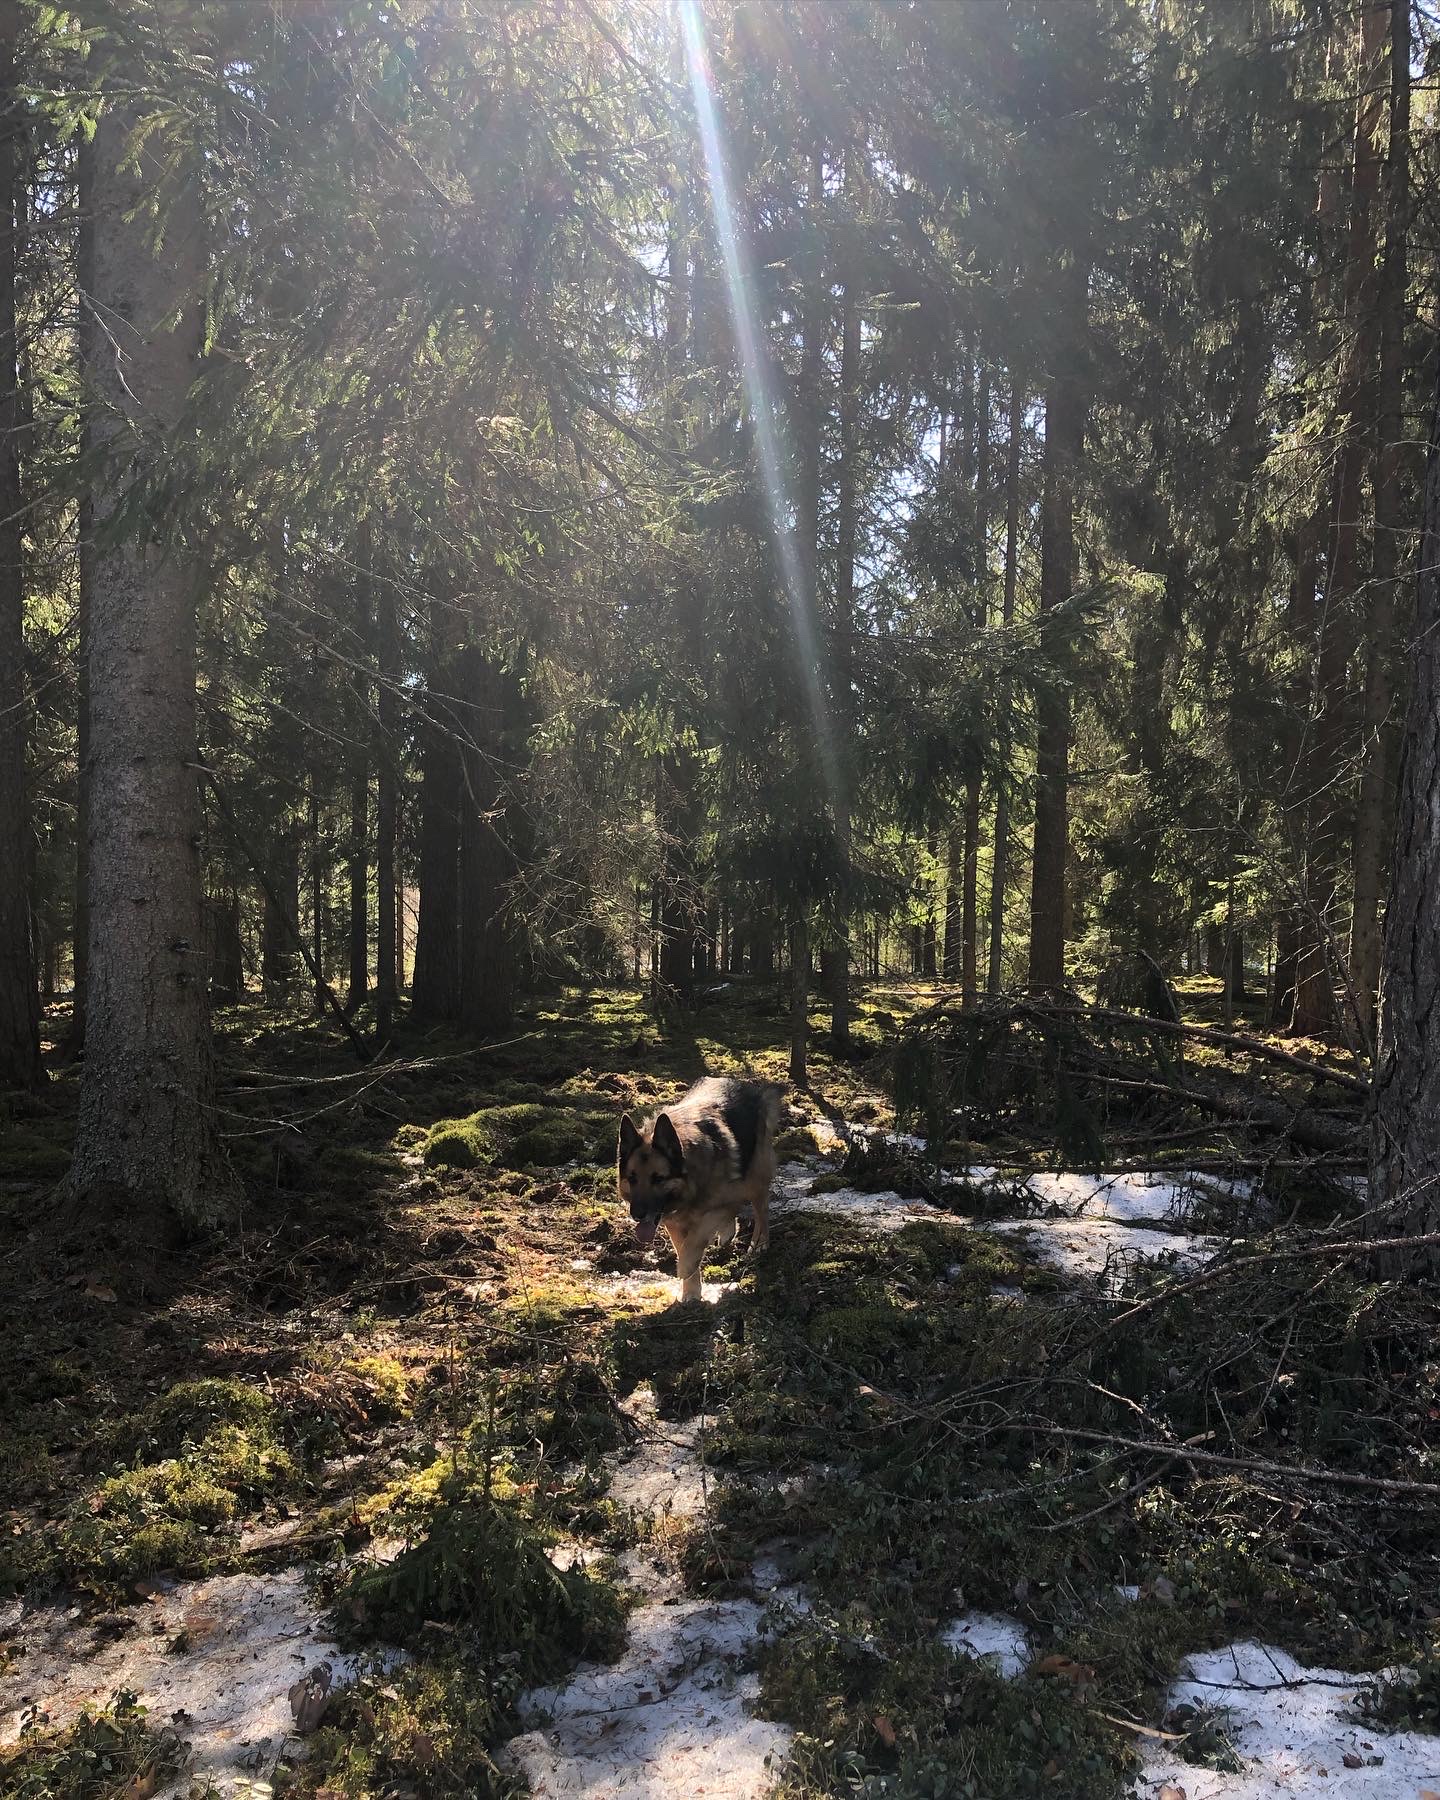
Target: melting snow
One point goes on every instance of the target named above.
(246, 1640)
(1292, 1728)
(1099, 1248)
(990, 1635)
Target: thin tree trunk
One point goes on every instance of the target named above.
(969, 923)
(85, 580)
(1372, 816)
(1405, 1133)
(280, 920)
(1065, 408)
(999, 874)
(19, 996)
(146, 1142)
(387, 752)
(843, 656)
(799, 1000)
(316, 848)
(1315, 985)
(435, 985)
(953, 958)
(358, 869)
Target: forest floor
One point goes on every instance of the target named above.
(421, 1483)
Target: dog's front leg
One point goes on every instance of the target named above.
(762, 1222)
(689, 1255)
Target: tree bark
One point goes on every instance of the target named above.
(1405, 1131)
(1065, 408)
(1001, 851)
(358, 870)
(953, 959)
(280, 920)
(491, 833)
(387, 753)
(843, 655)
(435, 987)
(19, 995)
(799, 1000)
(1372, 817)
(1315, 984)
(146, 1143)
(85, 578)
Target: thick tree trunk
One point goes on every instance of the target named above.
(19, 996)
(1065, 409)
(1001, 852)
(316, 857)
(1215, 948)
(85, 581)
(1373, 813)
(1405, 1134)
(491, 836)
(145, 1142)
(224, 949)
(435, 988)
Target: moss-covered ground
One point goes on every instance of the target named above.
(423, 1331)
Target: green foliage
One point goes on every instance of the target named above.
(482, 1567)
(104, 1754)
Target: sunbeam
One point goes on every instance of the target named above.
(760, 392)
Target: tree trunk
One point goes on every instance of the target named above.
(279, 963)
(1065, 409)
(1001, 850)
(19, 996)
(1215, 948)
(1405, 1134)
(85, 581)
(953, 959)
(224, 950)
(1372, 816)
(843, 655)
(799, 1000)
(1315, 987)
(490, 834)
(969, 923)
(145, 1142)
(358, 861)
(435, 987)
(387, 758)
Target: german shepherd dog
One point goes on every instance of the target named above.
(697, 1166)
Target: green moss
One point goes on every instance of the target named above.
(429, 1728)
(103, 1754)
(146, 1519)
(409, 1137)
(458, 1144)
(190, 1410)
(386, 1385)
(799, 1141)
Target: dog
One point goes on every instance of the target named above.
(698, 1166)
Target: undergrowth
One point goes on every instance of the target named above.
(113, 1752)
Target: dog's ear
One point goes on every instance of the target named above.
(667, 1142)
(629, 1138)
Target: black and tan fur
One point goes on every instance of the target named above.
(698, 1166)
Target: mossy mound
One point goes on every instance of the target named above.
(522, 1134)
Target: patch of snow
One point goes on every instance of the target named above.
(650, 1287)
(1100, 1247)
(994, 1636)
(1129, 1592)
(246, 1640)
(885, 1211)
(671, 1717)
(1292, 1727)
(667, 1473)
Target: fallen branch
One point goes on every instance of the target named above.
(1383, 1484)
(1228, 1040)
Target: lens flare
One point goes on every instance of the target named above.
(765, 413)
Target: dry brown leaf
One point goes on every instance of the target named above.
(422, 1749)
(1171, 1792)
(141, 1786)
(1081, 1674)
(310, 1697)
(97, 1290)
(885, 1731)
